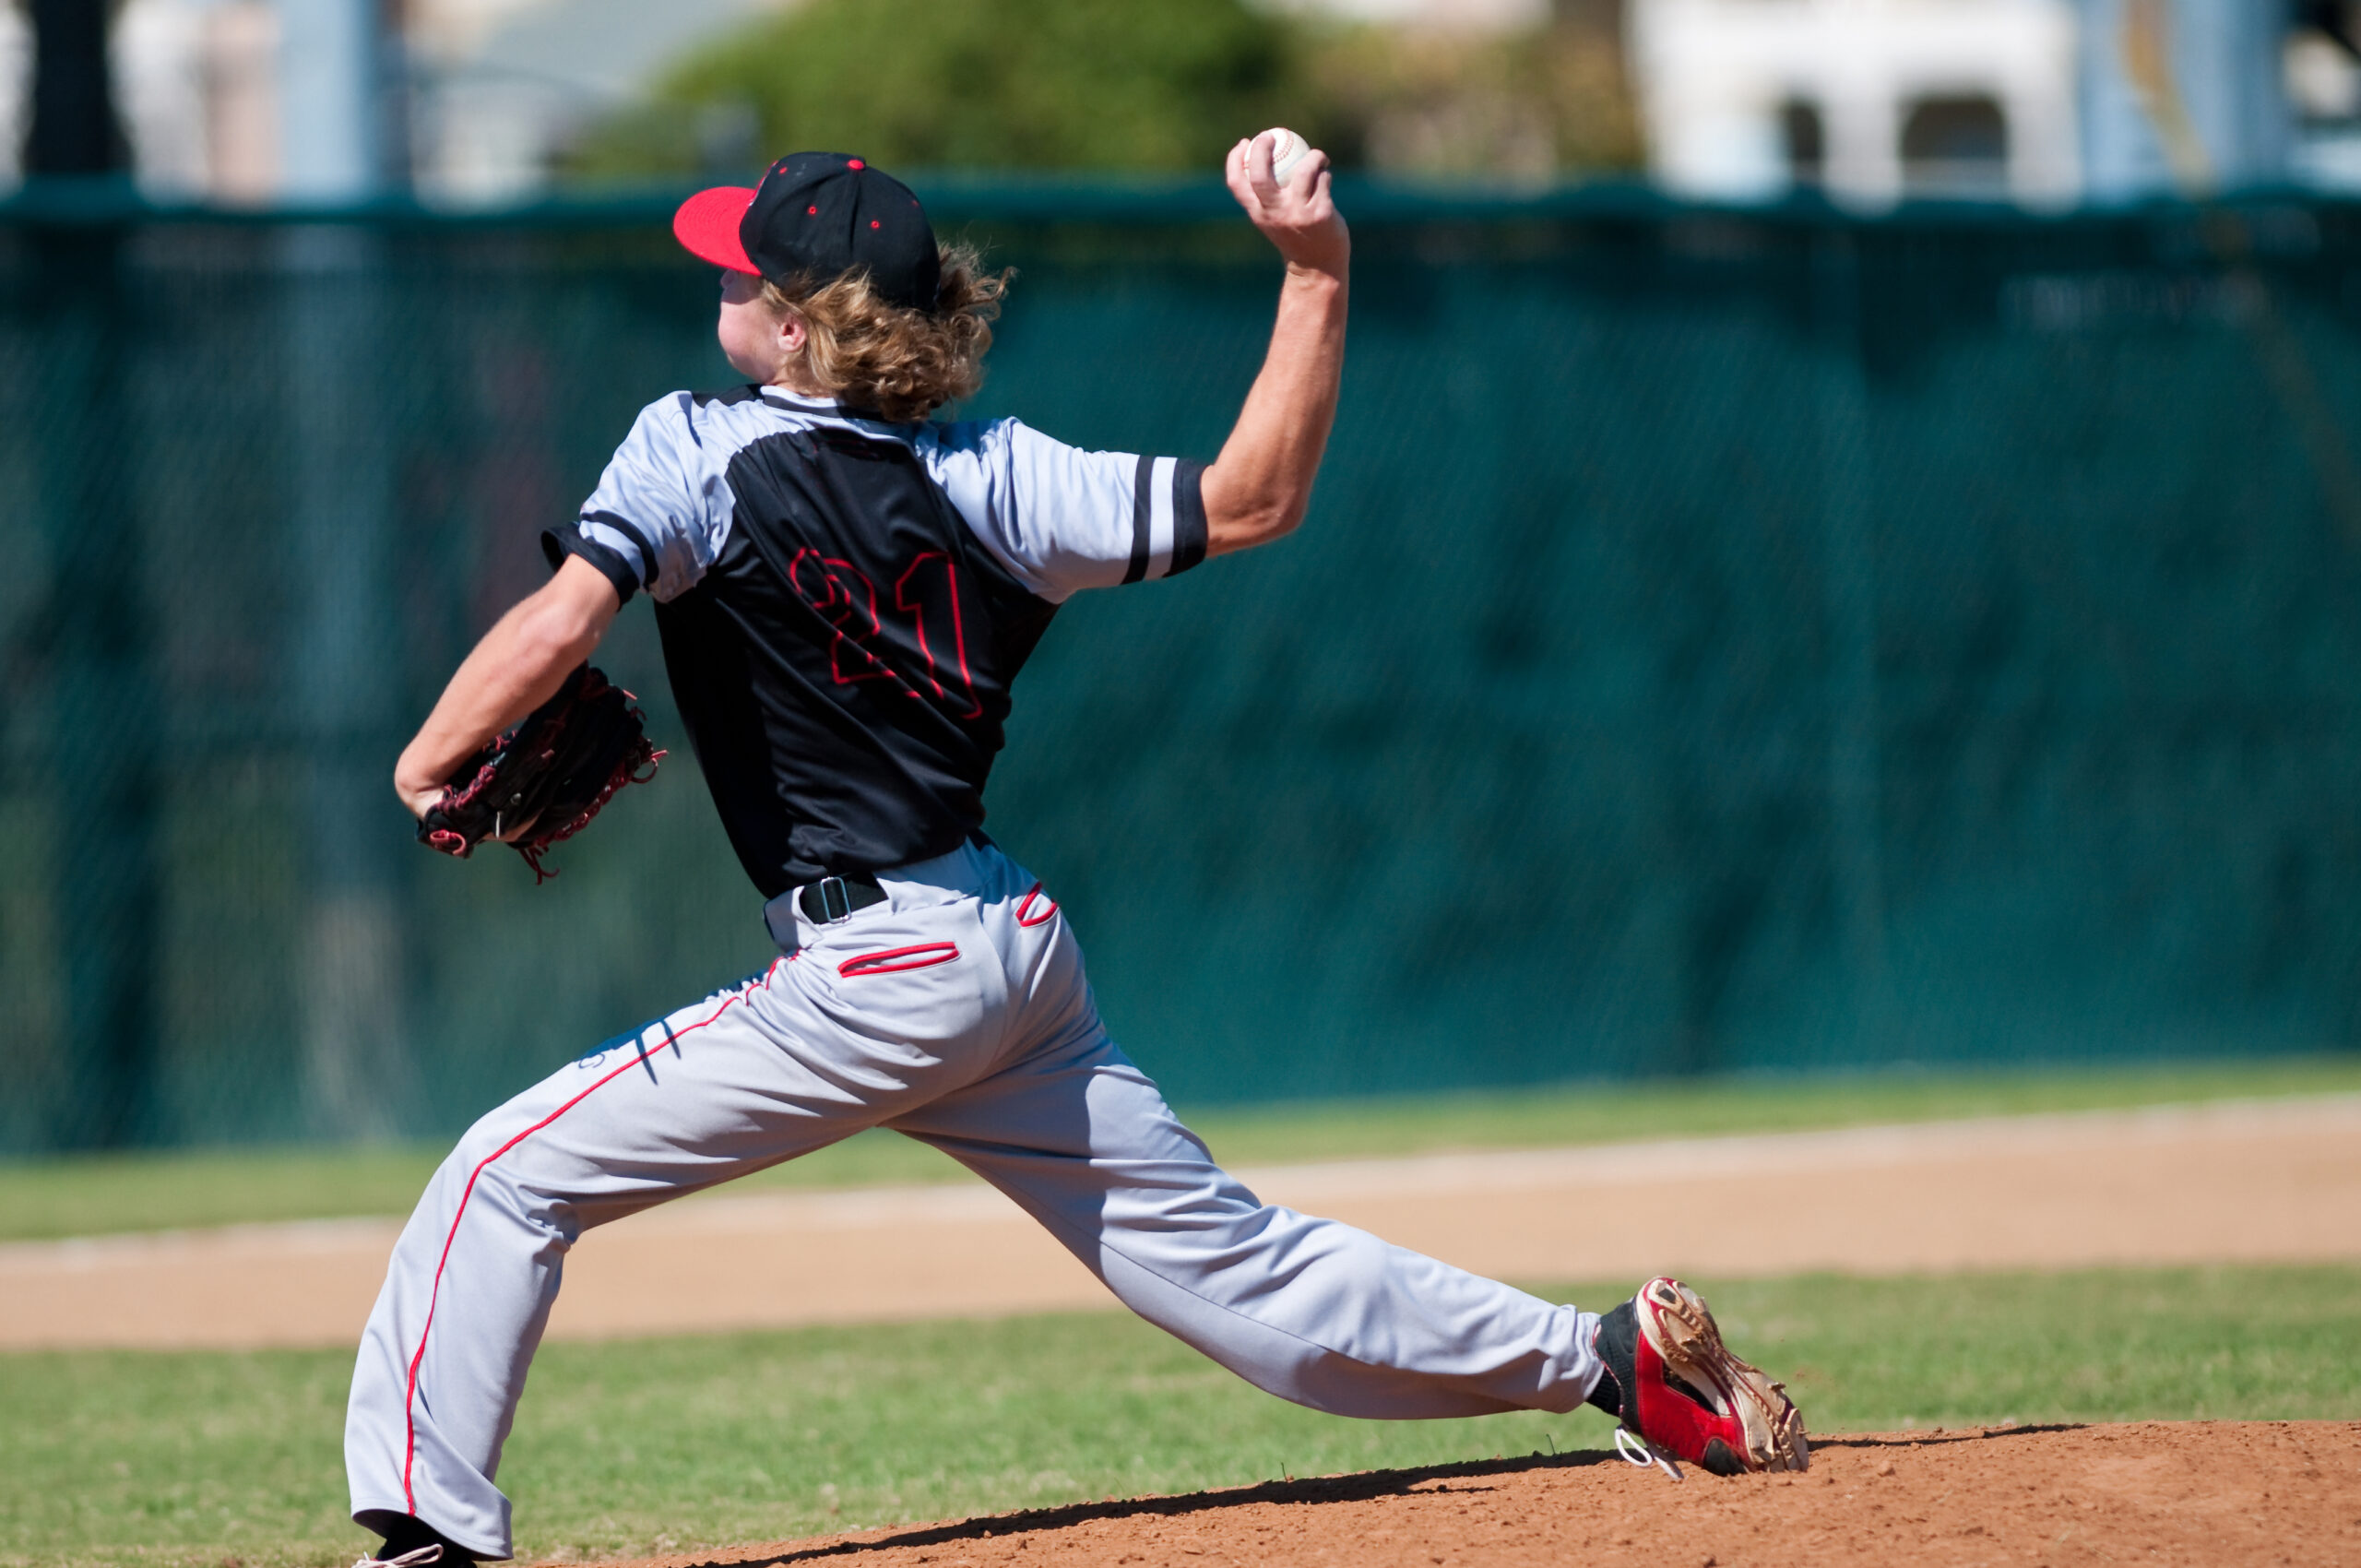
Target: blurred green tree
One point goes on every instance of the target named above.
(1038, 84)
(1533, 104)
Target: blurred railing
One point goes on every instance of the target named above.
(1720, 641)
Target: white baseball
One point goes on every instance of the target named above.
(1288, 150)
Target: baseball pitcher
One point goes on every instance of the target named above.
(845, 593)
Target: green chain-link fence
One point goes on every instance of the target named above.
(1720, 642)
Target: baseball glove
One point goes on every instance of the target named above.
(542, 782)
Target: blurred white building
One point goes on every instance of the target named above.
(1743, 99)
(2043, 102)
(197, 90)
(16, 71)
(238, 101)
(2324, 91)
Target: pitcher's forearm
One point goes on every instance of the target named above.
(1258, 488)
(518, 666)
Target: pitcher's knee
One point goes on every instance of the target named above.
(487, 1195)
(479, 1146)
(482, 1168)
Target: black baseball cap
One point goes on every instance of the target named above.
(818, 215)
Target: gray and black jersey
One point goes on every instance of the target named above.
(845, 603)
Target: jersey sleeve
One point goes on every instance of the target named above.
(1061, 519)
(661, 510)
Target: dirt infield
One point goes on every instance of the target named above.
(2212, 1492)
(2270, 1182)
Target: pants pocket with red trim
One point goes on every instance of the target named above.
(898, 960)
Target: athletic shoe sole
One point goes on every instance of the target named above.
(1683, 1333)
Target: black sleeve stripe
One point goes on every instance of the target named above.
(559, 543)
(624, 526)
(1188, 515)
(1142, 511)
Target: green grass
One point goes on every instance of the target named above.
(640, 1446)
(97, 1194)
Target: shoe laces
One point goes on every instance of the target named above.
(1637, 1450)
(417, 1557)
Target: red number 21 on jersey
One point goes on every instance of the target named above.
(928, 592)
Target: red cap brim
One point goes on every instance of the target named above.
(708, 225)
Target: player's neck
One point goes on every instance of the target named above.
(796, 379)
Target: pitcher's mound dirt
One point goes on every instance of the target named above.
(2153, 1493)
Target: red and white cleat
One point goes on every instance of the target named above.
(1677, 1387)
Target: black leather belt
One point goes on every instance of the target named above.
(833, 898)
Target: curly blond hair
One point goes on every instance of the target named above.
(884, 359)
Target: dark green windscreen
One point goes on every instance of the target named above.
(1720, 642)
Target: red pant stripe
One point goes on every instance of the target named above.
(409, 1394)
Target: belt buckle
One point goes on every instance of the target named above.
(831, 905)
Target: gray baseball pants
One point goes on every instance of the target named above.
(958, 1013)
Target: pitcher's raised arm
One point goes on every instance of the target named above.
(1258, 488)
